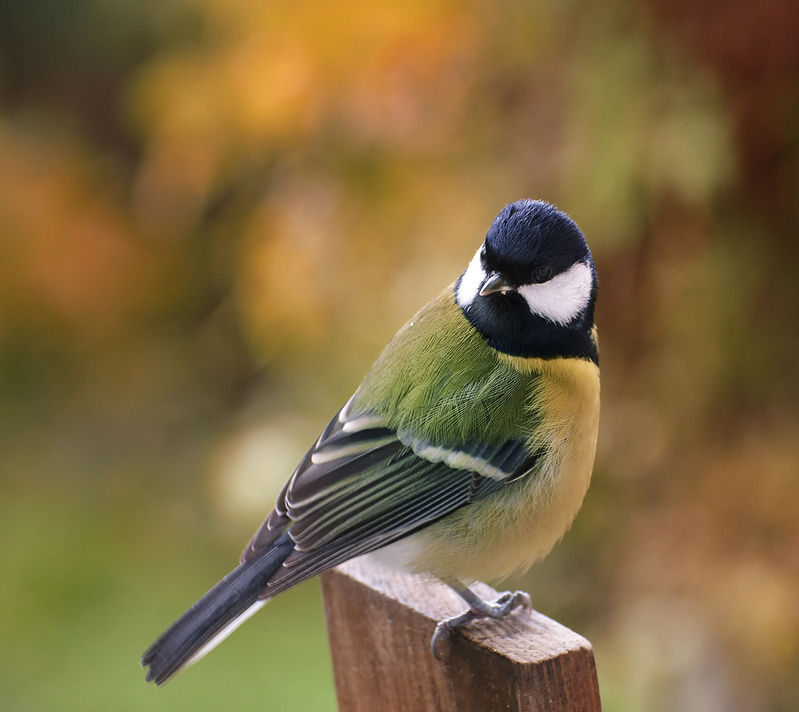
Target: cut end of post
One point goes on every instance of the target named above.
(380, 626)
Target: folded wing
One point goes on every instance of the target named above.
(364, 485)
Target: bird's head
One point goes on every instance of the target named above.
(530, 288)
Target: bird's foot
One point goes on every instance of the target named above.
(478, 608)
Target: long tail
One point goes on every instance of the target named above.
(215, 616)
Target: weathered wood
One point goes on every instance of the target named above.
(380, 626)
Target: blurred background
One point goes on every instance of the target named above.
(214, 214)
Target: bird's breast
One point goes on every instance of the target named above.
(520, 524)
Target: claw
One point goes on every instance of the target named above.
(443, 628)
(520, 598)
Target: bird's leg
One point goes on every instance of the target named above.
(478, 608)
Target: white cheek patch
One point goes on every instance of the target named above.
(563, 297)
(470, 283)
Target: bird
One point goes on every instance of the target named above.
(464, 454)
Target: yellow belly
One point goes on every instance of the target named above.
(511, 529)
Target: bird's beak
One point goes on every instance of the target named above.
(495, 282)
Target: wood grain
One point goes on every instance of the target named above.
(380, 626)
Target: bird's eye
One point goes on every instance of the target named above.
(543, 273)
(483, 253)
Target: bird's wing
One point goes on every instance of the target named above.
(364, 485)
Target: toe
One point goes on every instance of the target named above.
(522, 598)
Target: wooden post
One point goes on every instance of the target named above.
(380, 626)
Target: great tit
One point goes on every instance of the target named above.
(464, 453)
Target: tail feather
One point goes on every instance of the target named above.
(211, 619)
